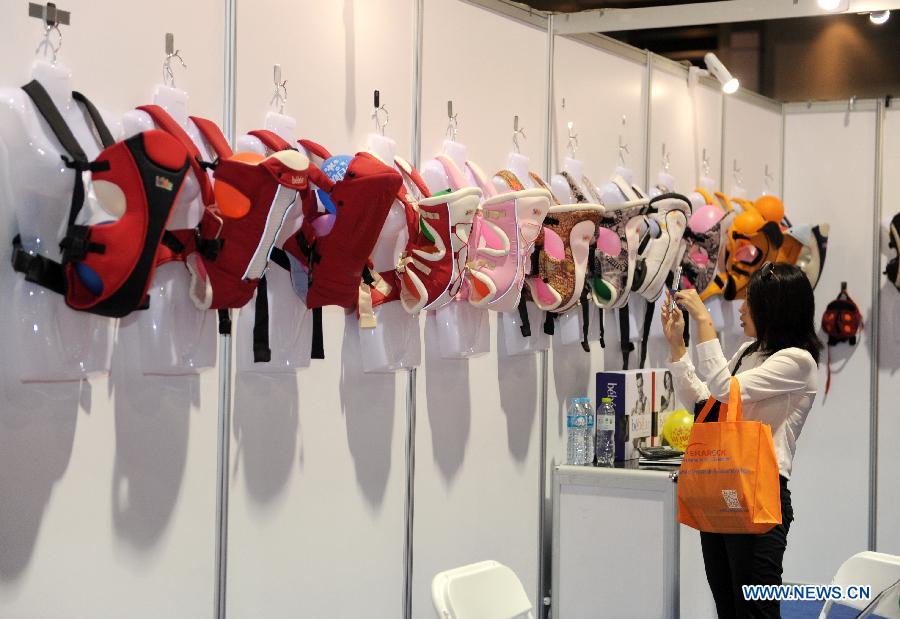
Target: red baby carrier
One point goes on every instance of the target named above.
(228, 253)
(106, 268)
(335, 262)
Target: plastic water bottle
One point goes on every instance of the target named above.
(576, 421)
(606, 433)
(589, 436)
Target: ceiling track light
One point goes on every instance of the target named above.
(730, 84)
(879, 17)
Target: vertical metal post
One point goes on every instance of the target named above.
(224, 426)
(418, 53)
(544, 593)
(874, 321)
(409, 507)
(410, 493)
(648, 116)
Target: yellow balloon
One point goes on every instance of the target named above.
(677, 428)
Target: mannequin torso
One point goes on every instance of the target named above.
(63, 344)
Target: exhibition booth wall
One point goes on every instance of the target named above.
(340, 481)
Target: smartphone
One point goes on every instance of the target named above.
(676, 286)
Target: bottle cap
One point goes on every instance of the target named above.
(606, 400)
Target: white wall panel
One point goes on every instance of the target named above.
(888, 532)
(477, 439)
(829, 176)
(753, 139)
(599, 88)
(318, 466)
(492, 68)
(107, 486)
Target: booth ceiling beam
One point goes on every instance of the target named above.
(725, 11)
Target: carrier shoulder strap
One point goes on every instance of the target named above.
(413, 176)
(261, 351)
(213, 136)
(271, 140)
(625, 336)
(103, 132)
(511, 179)
(454, 175)
(168, 124)
(645, 335)
(315, 149)
(574, 188)
(77, 159)
(481, 179)
(543, 185)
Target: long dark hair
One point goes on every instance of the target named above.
(782, 307)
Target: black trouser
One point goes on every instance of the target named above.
(732, 560)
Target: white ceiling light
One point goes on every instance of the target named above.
(730, 84)
(879, 17)
(830, 5)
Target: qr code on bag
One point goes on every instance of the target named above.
(731, 499)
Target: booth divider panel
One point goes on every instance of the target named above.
(829, 177)
(107, 486)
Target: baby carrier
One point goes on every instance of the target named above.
(334, 257)
(431, 268)
(842, 321)
(754, 238)
(703, 239)
(557, 280)
(660, 247)
(107, 268)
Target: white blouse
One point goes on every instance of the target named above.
(778, 390)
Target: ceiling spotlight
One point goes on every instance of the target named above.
(830, 5)
(879, 17)
(729, 83)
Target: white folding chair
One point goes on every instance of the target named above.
(485, 590)
(879, 571)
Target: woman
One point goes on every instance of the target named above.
(778, 375)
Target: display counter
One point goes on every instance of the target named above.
(617, 545)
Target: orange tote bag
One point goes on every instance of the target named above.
(728, 482)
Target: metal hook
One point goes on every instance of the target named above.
(738, 177)
(623, 147)
(171, 52)
(666, 158)
(379, 126)
(452, 122)
(279, 98)
(517, 131)
(45, 43)
(768, 178)
(851, 104)
(572, 144)
(705, 164)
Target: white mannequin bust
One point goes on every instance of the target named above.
(433, 172)
(560, 186)
(610, 193)
(61, 343)
(176, 337)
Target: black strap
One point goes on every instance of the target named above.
(77, 243)
(77, 159)
(280, 257)
(523, 316)
(625, 336)
(602, 329)
(38, 269)
(645, 336)
(103, 132)
(585, 319)
(224, 322)
(687, 327)
(318, 345)
(171, 241)
(261, 351)
(549, 323)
